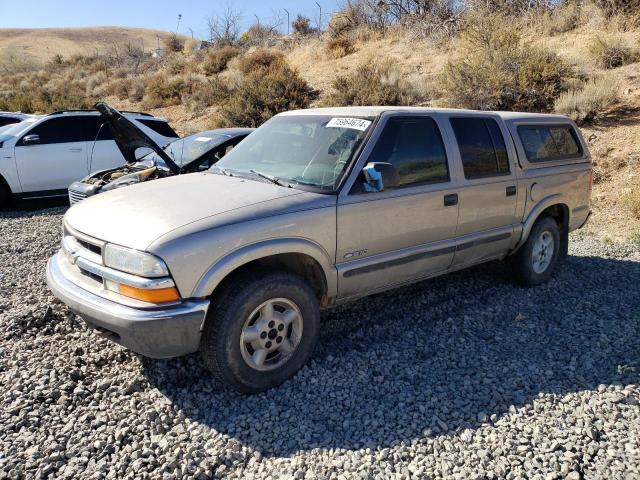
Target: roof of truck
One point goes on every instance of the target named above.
(374, 111)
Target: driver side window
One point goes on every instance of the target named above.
(414, 146)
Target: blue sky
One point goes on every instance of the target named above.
(160, 14)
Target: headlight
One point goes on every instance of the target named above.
(133, 261)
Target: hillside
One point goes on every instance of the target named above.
(43, 43)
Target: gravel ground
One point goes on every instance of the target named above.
(467, 376)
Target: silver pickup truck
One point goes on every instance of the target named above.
(315, 208)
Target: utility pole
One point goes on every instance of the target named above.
(288, 20)
(319, 18)
(191, 30)
(179, 18)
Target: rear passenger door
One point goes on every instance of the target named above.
(488, 191)
(399, 234)
(57, 157)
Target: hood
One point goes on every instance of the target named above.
(129, 137)
(137, 215)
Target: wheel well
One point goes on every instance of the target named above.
(560, 213)
(6, 195)
(302, 265)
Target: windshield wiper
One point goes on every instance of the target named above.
(275, 180)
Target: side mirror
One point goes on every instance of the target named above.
(380, 176)
(31, 139)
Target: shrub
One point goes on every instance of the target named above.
(632, 200)
(260, 59)
(561, 19)
(302, 26)
(373, 83)
(161, 91)
(613, 7)
(612, 53)
(498, 73)
(259, 35)
(340, 47)
(175, 64)
(217, 60)
(208, 92)
(190, 45)
(173, 44)
(264, 93)
(587, 102)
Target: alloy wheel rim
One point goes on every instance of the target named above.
(542, 252)
(271, 334)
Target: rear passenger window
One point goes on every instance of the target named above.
(160, 127)
(414, 146)
(544, 143)
(482, 147)
(98, 129)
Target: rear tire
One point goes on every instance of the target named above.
(262, 328)
(535, 261)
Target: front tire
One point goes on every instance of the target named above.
(262, 328)
(4, 195)
(535, 262)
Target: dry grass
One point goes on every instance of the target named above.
(256, 60)
(340, 47)
(217, 60)
(586, 103)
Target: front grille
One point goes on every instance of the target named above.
(90, 246)
(75, 197)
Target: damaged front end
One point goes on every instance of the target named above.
(112, 179)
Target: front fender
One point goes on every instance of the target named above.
(233, 260)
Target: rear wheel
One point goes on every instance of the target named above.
(535, 261)
(261, 329)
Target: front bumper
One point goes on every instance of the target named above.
(161, 332)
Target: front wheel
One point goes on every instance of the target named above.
(262, 328)
(535, 261)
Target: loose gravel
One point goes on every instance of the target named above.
(465, 376)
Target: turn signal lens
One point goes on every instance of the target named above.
(158, 295)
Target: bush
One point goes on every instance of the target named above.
(302, 26)
(561, 19)
(613, 7)
(217, 60)
(190, 45)
(586, 103)
(264, 93)
(260, 59)
(173, 44)
(340, 47)
(211, 91)
(161, 91)
(612, 53)
(498, 73)
(632, 200)
(373, 83)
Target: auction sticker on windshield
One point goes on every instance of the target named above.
(345, 122)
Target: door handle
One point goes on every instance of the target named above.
(511, 190)
(451, 199)
(75, 149)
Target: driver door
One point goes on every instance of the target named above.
(401, 234)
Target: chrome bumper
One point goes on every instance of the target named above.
(162, 332)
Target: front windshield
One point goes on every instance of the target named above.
(303, 149)
(185, 150)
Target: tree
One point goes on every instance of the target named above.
(224, 29)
